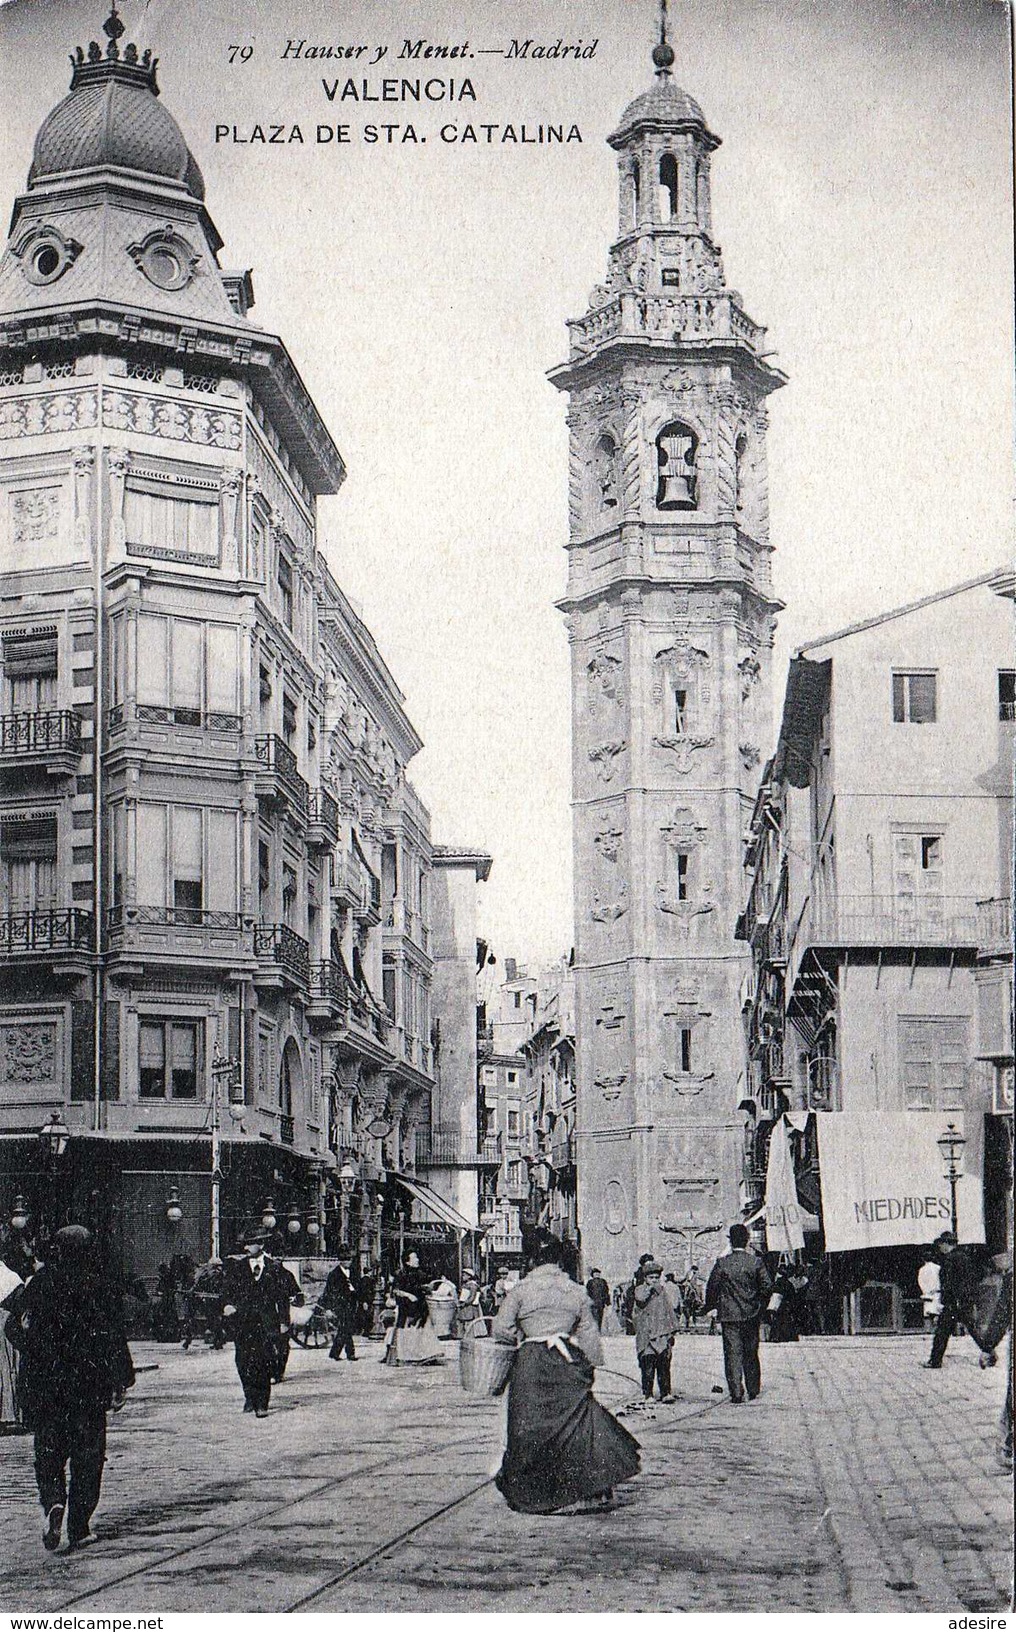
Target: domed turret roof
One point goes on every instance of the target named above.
(663, 103)
(113, 117)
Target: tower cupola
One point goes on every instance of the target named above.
(112, 119)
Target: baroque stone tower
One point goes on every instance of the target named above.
(670, 616)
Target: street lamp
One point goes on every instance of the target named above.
(293, 1225)
(952, 1144)
(19, 1217)
(53, 1136)
(174, 1212)
(348, 1176)
(268, 1218)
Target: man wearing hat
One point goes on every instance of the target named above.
(343, 1295)
(257, 1298)
(655, 1325)
(961, 1270)
(75, 1367)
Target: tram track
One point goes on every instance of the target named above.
(324, 1488)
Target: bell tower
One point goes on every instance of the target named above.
(670, 615)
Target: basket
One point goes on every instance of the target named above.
(485, 1366)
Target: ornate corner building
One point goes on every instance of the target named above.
(214, 875)
(670, 615)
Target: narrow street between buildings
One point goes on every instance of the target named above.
(856, 1481)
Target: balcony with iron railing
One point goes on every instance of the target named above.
(435, 1149)
(994, 927)
(890, 921)
(50, 740)
(323, 818)
(46, 936)
(282, 955)
(328, 994)
(277, 776)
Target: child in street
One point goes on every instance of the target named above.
(655, 1326)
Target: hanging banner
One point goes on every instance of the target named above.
(882, 1178)
(786, 1220)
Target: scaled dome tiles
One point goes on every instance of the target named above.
(664, 103)
(111, 123)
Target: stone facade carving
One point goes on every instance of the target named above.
(29, 1052)
(604, 758)
(50, 411)
(607, 842)
(606, 912)
(615, 1207)
(163, 417)
(35, 515)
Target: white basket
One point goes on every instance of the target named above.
(485, 1366)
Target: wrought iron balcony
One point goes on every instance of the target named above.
(451, 1150)
(328, 994)
(891, 921)
(51, 739)
(46, 934)
(281, 951)
(278, 776)
(323, 815)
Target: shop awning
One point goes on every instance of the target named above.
(435, 1204)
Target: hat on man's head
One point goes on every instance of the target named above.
(947, 1238)
(257, 1235)
(653, 1268)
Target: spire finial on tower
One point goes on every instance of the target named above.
(663, 53)
(114, 25)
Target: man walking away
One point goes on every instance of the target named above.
(257, 1298)
(294, 1293)
(75, 1366)
(738, 1289)
(961, 1271)
(655, 1325)
(599, 1296)
(342, 1296)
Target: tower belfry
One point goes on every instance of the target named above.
(670, 615)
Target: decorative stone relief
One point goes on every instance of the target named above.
(83, 464)
(615, 1207)
(610, 1086)
(750, 755)
(54, 411)
(685, 1010)
(684, 830)
(155, 416)
(29, 1053)
(604, 674)
(631, 454)
(607, 912)
(604, 757)
(35, 516)
(607, 842)
(678, 382)
(685, 912)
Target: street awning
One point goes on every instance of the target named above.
(435, 1204)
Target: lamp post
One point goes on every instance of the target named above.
(268, 1218)
(174, 1212)
(54, 1137)
(19, 1214)
(951, 1143)
(220, 1068)
(348, 1176)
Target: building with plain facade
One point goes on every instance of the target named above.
(670, 615)
(214, 872)
(878, 911)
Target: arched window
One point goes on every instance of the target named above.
(605, 470)
(676, 472)
(668, 187)
(636, 186)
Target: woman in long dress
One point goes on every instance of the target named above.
(564, 1449)
(413, 1340)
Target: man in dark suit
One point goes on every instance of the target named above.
(75, 1367)
(257, 1299)
(738, 1289)
(599, 1295)
(343, 1296)
(962, 1270)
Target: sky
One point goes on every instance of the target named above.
(862, 198)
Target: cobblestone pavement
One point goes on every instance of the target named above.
(856, 1481)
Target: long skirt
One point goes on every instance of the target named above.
(563, 1446)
